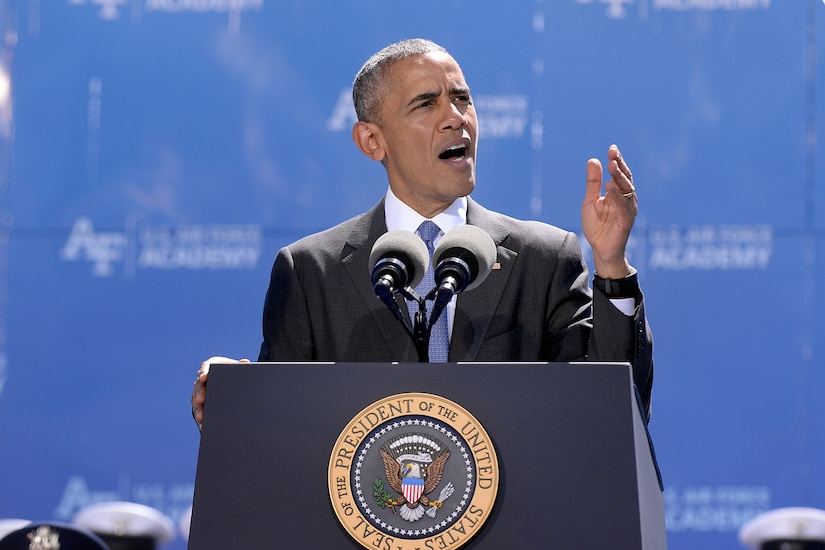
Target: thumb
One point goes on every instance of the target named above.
(593, 190)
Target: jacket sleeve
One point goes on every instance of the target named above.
(619, 337)
(287, 332)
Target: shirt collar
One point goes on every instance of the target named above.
(400, 216)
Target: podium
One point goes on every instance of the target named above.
(576, 467)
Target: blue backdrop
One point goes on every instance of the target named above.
(155, 154)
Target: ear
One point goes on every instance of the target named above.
(367, 136)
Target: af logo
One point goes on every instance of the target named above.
(413, 471)
(101, 248)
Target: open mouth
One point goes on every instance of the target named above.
(454, 152)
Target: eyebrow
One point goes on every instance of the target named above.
(423, 97)
(432, 95)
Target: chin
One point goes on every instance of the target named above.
(469, 186)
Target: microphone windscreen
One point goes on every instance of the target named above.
(405, 246)
(474, 240)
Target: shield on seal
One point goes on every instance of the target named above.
(412, 487)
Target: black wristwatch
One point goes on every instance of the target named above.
(627, 287)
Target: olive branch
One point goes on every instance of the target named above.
(382, 497)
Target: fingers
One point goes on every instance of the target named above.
(619, 189)
(203, 372)
(620, 173)
(198, 399)
(199, 390)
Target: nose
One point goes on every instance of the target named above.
(454, 117)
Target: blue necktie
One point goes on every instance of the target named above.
(439, 339)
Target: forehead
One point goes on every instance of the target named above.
(427, 72)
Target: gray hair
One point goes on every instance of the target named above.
(369, 85)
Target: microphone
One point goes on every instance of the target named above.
(397, 263)
(462, 260)
(398, 259)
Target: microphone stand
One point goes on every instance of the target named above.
(441, 296)
(419, 333)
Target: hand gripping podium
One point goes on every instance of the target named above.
(290, 453)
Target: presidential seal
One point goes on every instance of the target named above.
(413, 471)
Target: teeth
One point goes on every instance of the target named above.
(454, 152)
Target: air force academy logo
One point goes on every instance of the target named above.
(413, 471)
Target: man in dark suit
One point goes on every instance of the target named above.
(416, 117)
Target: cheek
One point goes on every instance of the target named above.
(473, 128)
(416, 150)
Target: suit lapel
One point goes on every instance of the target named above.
(475, 309)
(355, 260)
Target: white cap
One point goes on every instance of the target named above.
(184, 523)
(788, 524)
(8, 525)
(126, 519)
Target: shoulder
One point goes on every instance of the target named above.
(331, 237)
(523, 235)
(340, 240)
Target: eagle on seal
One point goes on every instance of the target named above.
(414, 482)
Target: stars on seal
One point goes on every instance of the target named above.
(386, 432)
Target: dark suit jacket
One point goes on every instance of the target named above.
(537, 306)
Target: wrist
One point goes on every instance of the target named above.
(624, 287)
(618, 268)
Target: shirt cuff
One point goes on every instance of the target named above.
(625, 305)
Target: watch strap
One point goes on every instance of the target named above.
(626, 287)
